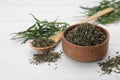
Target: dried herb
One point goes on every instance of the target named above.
(42, 42)
(45, 57)
(108, 18)
(111, 64)
(85, 34)
(40, 29)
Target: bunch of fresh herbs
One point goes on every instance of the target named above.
(40, 29)
(85, 34)
(114, 16)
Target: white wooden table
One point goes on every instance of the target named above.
(14, 63)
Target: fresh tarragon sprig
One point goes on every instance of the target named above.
(114, 16)
(40, 29)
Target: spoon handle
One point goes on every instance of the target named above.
(96, 15)
(57, 37)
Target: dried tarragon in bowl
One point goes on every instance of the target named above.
(85, 34)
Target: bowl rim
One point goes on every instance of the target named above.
(106, 39)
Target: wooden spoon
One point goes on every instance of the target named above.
(57, 37)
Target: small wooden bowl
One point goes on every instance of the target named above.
(85, 53)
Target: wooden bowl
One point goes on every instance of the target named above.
(85, 53)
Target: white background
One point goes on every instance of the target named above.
(14, 57)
